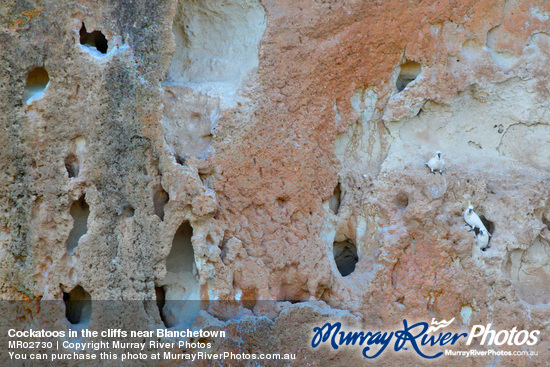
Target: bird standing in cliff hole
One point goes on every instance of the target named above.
(472, 219)
(483, 239)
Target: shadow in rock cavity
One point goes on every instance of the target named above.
(80, 212)
(94, 43)
(345, 256)
(407, 73)
(78, 306)
(37, 82)
(178, 294)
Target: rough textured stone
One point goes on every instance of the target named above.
(276, 129)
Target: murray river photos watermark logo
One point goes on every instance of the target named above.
(421, 337)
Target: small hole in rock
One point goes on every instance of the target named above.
(334, 201)
(345, 256)
(160, 295)
(409, 71)
(180, 160)
(96, 40)
(72, 161)
(78, 305)
(488, 224)
(80, 212)
(402, 201)
(128, 211)
(72, 166)
(37, 82)
(160, 199)
(282, 202)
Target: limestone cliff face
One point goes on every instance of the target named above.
(245, 150)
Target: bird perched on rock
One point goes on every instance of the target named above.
(436, 163)
(483, 239)
(472, 219)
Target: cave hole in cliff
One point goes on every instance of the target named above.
(334, 200)
(181, 258)
(160, 199)
(37, 81)
(160, 295)
(487, 223)
(402, 201)
(94, 40)
(345, 256)
(72, 165)
(408, 72)
(181, 284)
(78, 305)
(80, 212)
